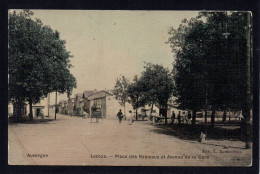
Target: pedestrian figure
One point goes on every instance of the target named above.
(153, 116)
(84, 114)
(120, 115)
(224, 116)
(202, 137)
(131, 118)
(240, 117)
(173, 117)
(179, 117)
(184, 117)
(189, 115)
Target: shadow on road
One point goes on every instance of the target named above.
(193, 132)
(220, 145)
(26, 120)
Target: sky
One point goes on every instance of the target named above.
(107, 44)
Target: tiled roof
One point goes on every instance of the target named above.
(87, 93)
(99, 94)
(80, 95)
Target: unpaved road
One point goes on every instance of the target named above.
(77, 141)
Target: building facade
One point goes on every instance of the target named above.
(108, 104)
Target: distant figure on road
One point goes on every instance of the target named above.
(84, 114)
(189, 115)
(131, 118)
(224, 116)
(173, 117)
(120, 115)
(179, 117)
(240, 117)
(153, 115)
(184, 117)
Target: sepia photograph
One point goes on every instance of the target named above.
(130, 88)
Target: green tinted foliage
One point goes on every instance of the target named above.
(38, 60)
(135, 93)
(120, 89)
(210, 62)
(157, 84)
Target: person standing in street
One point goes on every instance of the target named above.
(120, 115)
(189, 116)
(131, 118)
(240, 117)
(173, 117)
(179, 117)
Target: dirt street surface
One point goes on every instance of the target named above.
(77, 141)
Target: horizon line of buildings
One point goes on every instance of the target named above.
(78, 105)
(83, 102)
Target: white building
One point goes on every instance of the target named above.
(107, 103)
(46, 106)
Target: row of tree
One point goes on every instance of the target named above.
(211, 64)
(211, 68)
(38, 61)
(153, 87)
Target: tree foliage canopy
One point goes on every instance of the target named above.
(210, 65)
(120, 89)
(38, 60)
(157, 84)
(135, 93)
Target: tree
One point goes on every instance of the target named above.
(213, 56)
(38, 61)
(188, 70)
(135, 94)
(120, 91)
(213, 48)
(61, 81)
(229, 65)
(157, 86)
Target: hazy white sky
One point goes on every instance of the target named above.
(107, 44)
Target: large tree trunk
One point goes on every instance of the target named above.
(246, 115)
(151, 109)
(213, 117)
(136, 114)
(246, 108)
(206, 116)
(31, 112)
(49, 105)
(224, 116)
(56, 105)
(124, 111)
(166, 118)
(193, 117)
(166, 107)
(206, 122)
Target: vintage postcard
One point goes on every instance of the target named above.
(130, 88)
